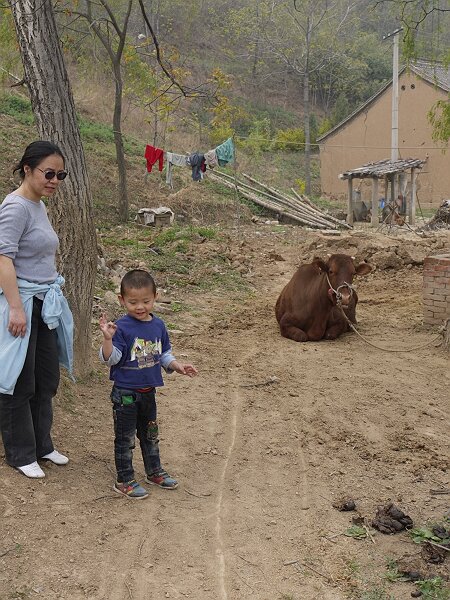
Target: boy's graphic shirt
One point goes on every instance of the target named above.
(145, 353)
(141, 343)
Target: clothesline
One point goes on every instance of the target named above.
(318, 144)
(328, 146)
(219, 156)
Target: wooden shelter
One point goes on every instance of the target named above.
(394, 173)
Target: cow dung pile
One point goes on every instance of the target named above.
(391, 519)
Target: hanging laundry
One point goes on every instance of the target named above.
(211, 158)
(179, 160)
(198, 164)
(225, 152)
(153, 154)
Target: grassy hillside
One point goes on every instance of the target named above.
(280, 169)
(177, 256)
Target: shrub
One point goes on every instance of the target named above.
(17, 107)
(259, 138)
(292, 140)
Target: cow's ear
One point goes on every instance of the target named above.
(363, 269)
(320, 264)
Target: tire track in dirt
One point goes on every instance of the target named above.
(220, 553)
(248, 438)
(235, 382)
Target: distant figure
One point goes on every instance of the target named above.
(401, 204)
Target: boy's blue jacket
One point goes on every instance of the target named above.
(55, 313)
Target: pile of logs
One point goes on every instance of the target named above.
(297, 208)
(441, 219)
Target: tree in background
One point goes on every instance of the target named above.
(360, 67)
(292, 30)
(110, 22)
(110, 27)
(71, 209)
(426, 25)
(8, 49)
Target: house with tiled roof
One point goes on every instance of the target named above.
(365, 135)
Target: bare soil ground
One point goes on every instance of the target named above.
(263, 441)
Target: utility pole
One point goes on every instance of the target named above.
(394, 120)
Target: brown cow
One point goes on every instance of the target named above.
(307, 308)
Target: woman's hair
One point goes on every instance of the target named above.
(136, 280)
(35, 153)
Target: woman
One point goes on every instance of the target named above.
(35, 320)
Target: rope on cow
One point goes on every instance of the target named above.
(439, 336)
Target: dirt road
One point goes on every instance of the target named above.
(263, 441)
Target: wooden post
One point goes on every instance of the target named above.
(402, 190)
(350, 201)
(412, 204)
(374, 219)
(392, 180)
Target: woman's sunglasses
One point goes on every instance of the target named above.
(50, 174)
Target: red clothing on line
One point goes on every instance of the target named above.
(153, 154)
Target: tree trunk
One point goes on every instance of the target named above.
(256, 54)
(70, 210)
(118, 141)
(307, 109)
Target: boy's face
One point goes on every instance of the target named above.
(138, 302)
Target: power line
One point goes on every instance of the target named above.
(301, 144)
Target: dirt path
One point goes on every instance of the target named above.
(263, 441)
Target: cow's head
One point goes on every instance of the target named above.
(340, 270)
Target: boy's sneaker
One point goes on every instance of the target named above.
(162, 479)
(131, 490)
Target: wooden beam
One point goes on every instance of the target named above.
(350, 201)
(392, 180)
(374, 218)
(412, 203)
(402, 191)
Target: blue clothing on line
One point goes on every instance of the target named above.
(225, 152)
(55, 313)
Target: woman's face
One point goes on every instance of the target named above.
(36, 182)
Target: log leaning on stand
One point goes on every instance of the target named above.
(296, 207)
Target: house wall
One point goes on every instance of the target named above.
(367, 138)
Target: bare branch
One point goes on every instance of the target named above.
(185, 91)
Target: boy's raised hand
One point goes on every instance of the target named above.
(108, 328)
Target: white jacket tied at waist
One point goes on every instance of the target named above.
(55, 313)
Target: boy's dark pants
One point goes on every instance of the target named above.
(134, 413)
(26, 416)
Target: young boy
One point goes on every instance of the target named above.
(136, 347)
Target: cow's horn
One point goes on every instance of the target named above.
(353, 258)
(328, 255)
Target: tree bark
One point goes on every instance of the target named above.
(70, 210)
(115, 52)
(118, 141)
(307, 109)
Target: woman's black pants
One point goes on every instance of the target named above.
(26, 416)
